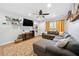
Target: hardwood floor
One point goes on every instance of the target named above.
(23, 48)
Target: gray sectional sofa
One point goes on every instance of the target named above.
(46, 47)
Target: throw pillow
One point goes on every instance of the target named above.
(66, 35)
(62, 43)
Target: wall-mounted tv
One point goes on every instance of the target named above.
(27, 22)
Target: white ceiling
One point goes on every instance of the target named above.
(23, 9)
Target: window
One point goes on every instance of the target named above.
(53, 25)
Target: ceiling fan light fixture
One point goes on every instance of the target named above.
(49, 5)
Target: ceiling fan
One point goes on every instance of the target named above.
(40, 13)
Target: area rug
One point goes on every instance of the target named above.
(24, 48)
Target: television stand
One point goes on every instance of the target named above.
(24, 36)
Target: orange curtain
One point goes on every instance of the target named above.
(47, 26)
(60, 25)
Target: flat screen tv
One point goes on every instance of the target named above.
(27, 22)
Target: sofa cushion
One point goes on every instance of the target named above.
(41, 45)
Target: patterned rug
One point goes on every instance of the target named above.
(24, 48)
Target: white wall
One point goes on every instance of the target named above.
(8, 32)
(73, 29)
(42, 27)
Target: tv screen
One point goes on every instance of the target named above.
(27, 22)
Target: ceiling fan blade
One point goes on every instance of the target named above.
(35, 14)
(45, 14)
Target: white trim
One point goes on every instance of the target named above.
(6, 43)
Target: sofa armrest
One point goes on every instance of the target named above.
(53, 50)
(53, 32)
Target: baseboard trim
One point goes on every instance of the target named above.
(6, 43)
